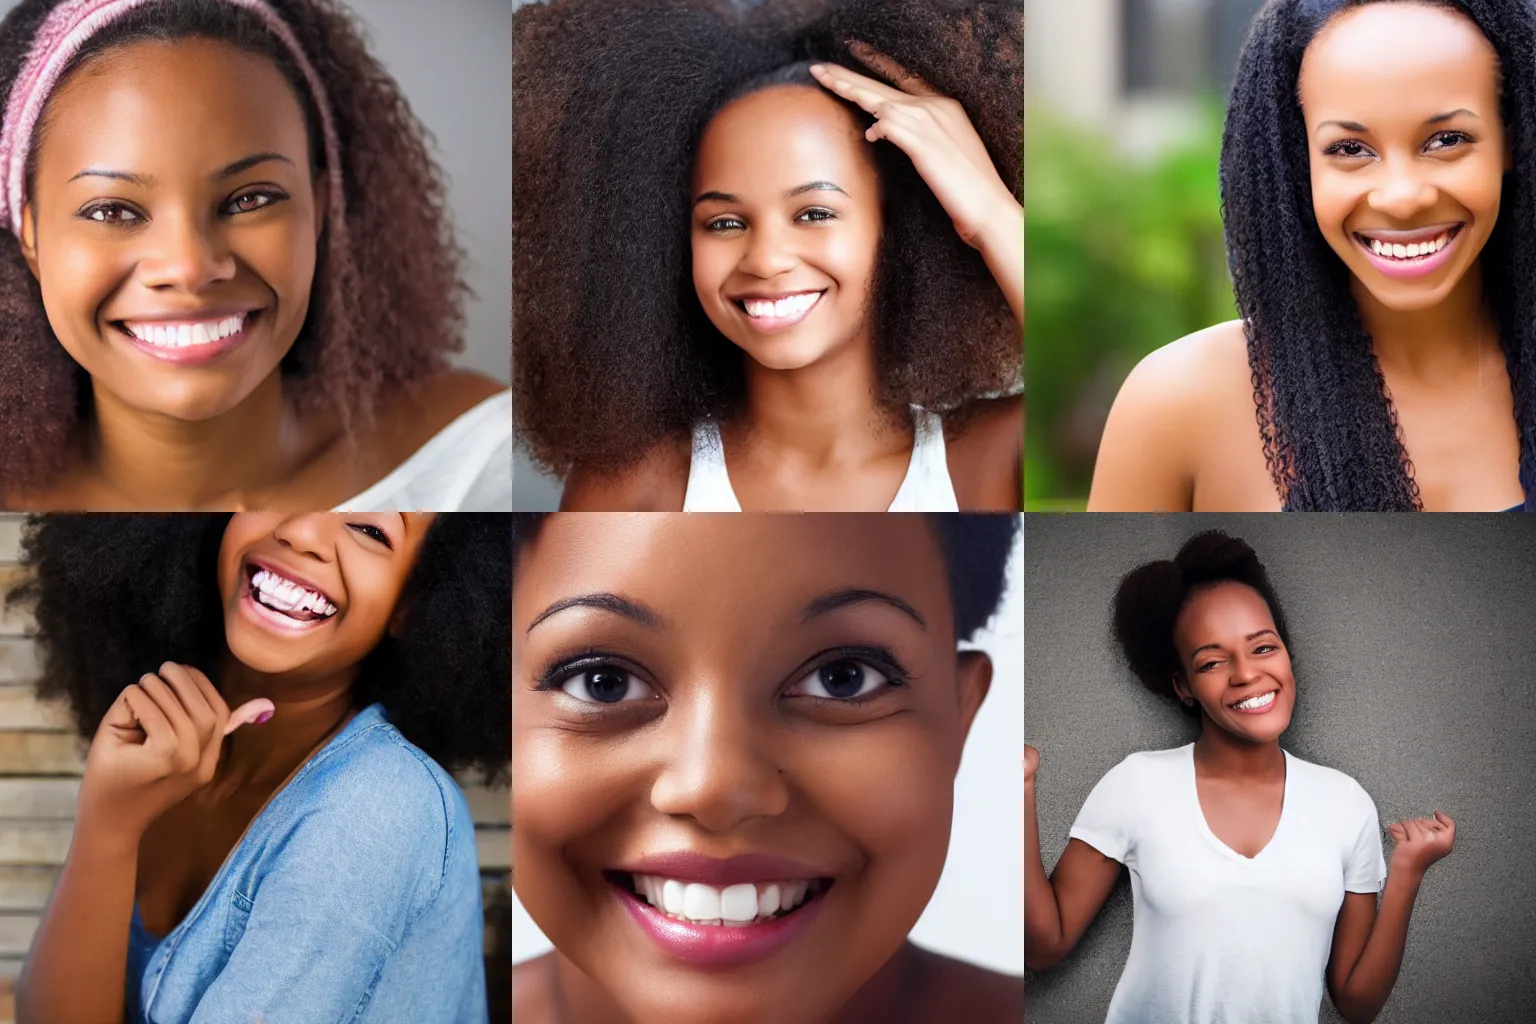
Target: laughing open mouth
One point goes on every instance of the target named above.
(287, 597)
(733, 906)
(1407, 247)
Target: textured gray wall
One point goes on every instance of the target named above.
(1413, 638)
(453, 60)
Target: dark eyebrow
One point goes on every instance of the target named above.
(1450, 114)
(1349, 126)
(810, 186)
(845, 598)
(632, 610)
(147, 181)
(1250, 636)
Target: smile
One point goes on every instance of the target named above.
(1257, 704)
(776, 312)
(188, 341)
(277, 600)
(1404, 254)
(715, 926)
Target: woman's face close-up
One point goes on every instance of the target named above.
(735, 746)
(786, 224)
(1235, 666)
(307, 596)
(1407, 147)
(176, 223)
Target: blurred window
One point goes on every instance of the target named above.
(1182, 46)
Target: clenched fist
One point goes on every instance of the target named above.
(1421, 842)
(157, 744)
(1031, 763)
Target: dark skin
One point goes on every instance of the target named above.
(776, 218)
(1375, 85)
(722, 742)
(1229, 651)
(198, 198)
(169, 789)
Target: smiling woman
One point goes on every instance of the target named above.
(736, 746)
(266, 828)
(1375, 176)
(764, 260)
(233, 284)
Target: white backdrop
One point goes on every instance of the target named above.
(977, 913)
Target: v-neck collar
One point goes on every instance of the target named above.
(1205, 826)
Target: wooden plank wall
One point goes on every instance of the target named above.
(40, 767)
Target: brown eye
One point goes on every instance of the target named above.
(111, 213)
(250, 202)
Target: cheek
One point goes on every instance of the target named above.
(1334, 198)
(711, 265)
(75, 277)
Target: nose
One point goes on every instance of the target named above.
(768, 253)
(184, 253)
(1244, 671)
(1402, 194)
(717, 772)
(308, 535)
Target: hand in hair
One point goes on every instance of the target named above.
(935, 133)
(158, 743)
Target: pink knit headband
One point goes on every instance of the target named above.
(69, 27)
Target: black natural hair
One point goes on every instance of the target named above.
(613, 353)
(386, 307)
(115, 596)
(1150, 597)
(1331, 435)
(975, 548)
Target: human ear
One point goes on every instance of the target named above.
(973, 678)
(29, 237)
(1181, 688)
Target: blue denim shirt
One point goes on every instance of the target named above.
(354, 896)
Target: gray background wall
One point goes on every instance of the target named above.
(453, 59)
(1413, 639)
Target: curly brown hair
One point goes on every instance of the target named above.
(612, 352)
(387, 306)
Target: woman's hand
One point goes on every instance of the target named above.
(159, 742)
(935, 133)
(1421, 842)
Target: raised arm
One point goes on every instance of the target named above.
(1058, 908)
(1368, 941)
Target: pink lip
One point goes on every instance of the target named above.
(1266, 709)
(769, 324)
(705, 945)
(1408, 269)
(187, 355)
(687, 866)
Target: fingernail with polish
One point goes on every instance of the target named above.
(263, 717)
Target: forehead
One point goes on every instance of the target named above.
(1221, 613)
(1398, 58)
(780, 137)
(149, 99)
(722, 573)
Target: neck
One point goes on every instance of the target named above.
(826, 412)
(1426, 344)
(1218, 752)
(304, 717)
(155, 461)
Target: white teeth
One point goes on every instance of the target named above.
(734, 905)
(1252, 703)
(287, 596)
(792, 306)
(1414, 250)
(183, 335)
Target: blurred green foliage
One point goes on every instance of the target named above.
(1123, 257)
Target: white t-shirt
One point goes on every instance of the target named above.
(465, 467)
(1220, 938)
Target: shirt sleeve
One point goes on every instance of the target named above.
(1366, 870)
(1108, 815)
(345, 884)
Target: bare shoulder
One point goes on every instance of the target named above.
(958, 990)
(984, 453)
(656, 482)
(410, 417)
(1166, 410)
(530, 990)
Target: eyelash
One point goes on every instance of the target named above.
(373, 533)
(270, 195)
(1261, 649)
(718, 225)
(880, 659)
(1335, 148)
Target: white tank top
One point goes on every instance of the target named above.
(925, 488)
(465, 467)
